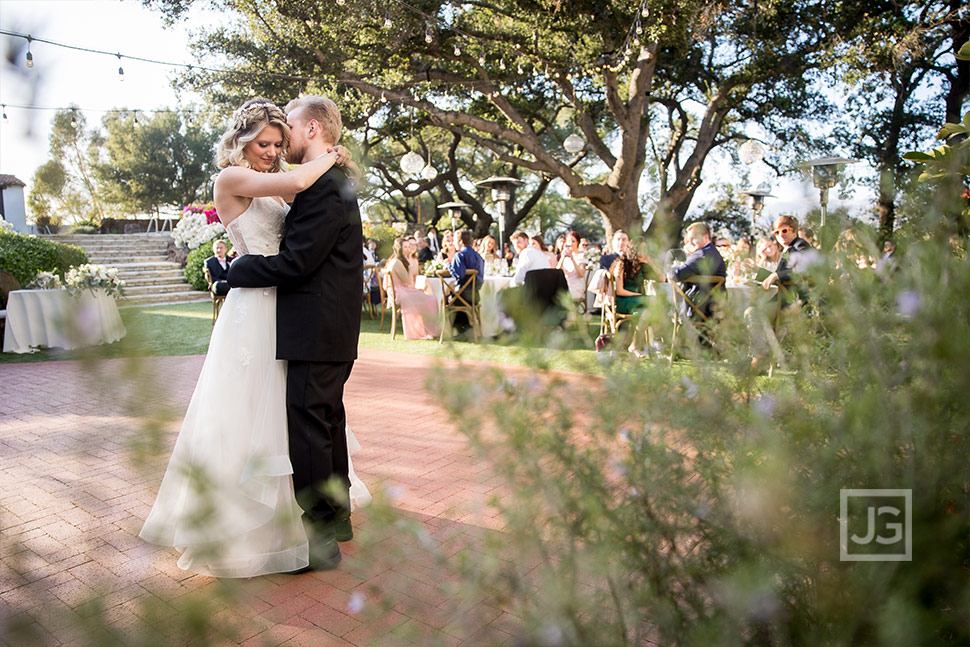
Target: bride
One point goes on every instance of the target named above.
(226, 500)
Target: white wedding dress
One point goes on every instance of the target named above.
(226, 500)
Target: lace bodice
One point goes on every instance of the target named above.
(259, 228)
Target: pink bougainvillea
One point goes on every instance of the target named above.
(209, 210)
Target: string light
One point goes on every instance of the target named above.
(74, 118)
(501, 65)
(457, 50)
(121, 70)
(30, 57)
(481, 60)
(387, 19)
(428, 35)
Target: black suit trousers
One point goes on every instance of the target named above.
(318, 437)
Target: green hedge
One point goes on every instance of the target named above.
(195, 265)
(24, 256)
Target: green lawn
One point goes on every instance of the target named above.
(184, 329)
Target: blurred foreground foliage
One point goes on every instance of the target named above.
(704, 508)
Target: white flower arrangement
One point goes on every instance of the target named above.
(5, 225)
(93, 277)
(45, 281)
(193, 231)
(432, 267)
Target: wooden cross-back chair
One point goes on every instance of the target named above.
(460, 298)
(217, 299)
(389, 302)
(610, 319)
(681, 298)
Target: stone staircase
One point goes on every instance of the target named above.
(141, 261)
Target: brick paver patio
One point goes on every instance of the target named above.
(73, 495)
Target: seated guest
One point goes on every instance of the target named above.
(537, 242)
(467, 259)
(573, 265)
(808, 236)
(419, 310)
(495, 265)
(433, 241)
(887, 263)
(619, 241)
(767, 254)
(796, 254)
(529, 259)
(703, 260)
(448, 250)
(424, 250)
(631, 271)
(219, 269)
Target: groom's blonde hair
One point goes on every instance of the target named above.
(324, 111)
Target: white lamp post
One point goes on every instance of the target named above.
(501, 192)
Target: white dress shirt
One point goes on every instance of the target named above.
(530, 258)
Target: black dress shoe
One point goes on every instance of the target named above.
(342, 529)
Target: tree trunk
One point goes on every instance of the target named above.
(622, 212)
(960, 85)
(886, 204)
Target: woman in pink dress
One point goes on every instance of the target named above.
(419, 310)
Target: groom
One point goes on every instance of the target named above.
(318, 304)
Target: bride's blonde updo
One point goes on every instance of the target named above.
(247, 122)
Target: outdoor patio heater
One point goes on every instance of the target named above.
(501, 192)
(824, 175)
(454, 212)
(757, 204)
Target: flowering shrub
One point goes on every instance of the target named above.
(207, 210)
(92, 277)
(194, 229)
(5, 226)
(45, 281)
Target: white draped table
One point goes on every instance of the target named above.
(54, 318)
(741, 294)
(488, 296)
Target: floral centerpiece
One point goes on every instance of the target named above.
(593, 255)
(45, 281)
(92, 277)
(432, 267)
(195, 229)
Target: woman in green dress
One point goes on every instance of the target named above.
(630, 272)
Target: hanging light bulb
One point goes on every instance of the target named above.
(501, 64)
(341, 2)
(121, 70)
(387, 19)
(520, 68)
(73, 118)
(457, 50)
(30, 57)
(135, 115)
(481, 60)
(428, 34)
(383, 98)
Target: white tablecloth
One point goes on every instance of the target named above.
(53, 318)
(488, 296)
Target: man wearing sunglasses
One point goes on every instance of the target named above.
(786, 233)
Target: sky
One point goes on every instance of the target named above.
(62, 77)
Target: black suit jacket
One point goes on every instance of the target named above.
(318, 272)
(784, 269)
(215, 269)
(706, 261)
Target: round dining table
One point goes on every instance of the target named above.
(488, 295)
(58, 319)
